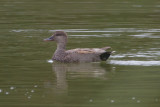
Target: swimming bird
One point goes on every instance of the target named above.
(78, 54)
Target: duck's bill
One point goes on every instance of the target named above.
(49, 39)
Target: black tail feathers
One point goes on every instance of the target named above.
(104, 56)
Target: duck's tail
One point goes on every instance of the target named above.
(104, 56)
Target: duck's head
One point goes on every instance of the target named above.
(58, 36)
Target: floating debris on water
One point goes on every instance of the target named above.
(156, 100)
(32, 91)
(91, 100)
(112, 101)
(0, 90)
(6, 93)
(133, 98)
(29, 97)
(138, 101)
(35, 86)
(12, 88)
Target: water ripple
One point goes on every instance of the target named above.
(133, 62)
(92, 30)
(147, 54)
(145, 35)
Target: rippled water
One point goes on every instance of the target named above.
(131, 76)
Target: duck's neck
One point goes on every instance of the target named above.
(61, 46)
(60, 52)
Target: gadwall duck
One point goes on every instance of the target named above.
(78, 54)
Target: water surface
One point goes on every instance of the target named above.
(131, 77)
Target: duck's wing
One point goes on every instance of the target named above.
(87, 55)
(87, 51)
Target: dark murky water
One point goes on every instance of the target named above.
(131, 77)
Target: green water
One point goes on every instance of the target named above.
(130, 78)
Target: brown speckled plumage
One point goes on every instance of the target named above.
(76, 55)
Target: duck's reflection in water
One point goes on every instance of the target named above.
(65, 73)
